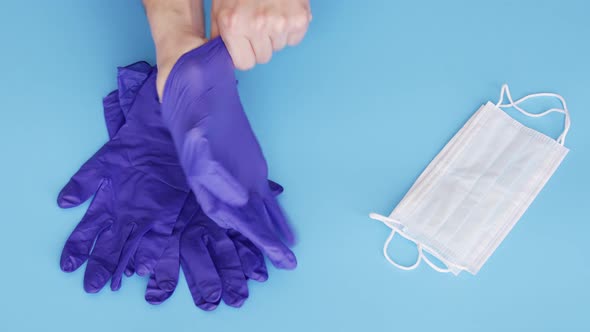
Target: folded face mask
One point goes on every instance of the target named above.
(475, 190)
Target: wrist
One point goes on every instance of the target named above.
(169, 18)
(177, 26)
(169, 51)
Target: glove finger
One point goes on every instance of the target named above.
(113, 114)
(201, 303)
(275, 188)
(130, 269)
(254, 223)
(149, 251)
(154, 238)
(163, 265)
(83, 184)
(198, 298)
(204, 171)
(228, 265)
(130, 80)
(97, 218)
(251, 258)
(104, 257)
(167, 266)
(153, 243)
(167, 269)
(164, 279)
(201, 276)
(154, 294)
(128, 250)
(279, 220)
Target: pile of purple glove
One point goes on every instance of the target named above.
(180, 184)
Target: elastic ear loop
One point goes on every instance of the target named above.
(395, 228)
(567, 122)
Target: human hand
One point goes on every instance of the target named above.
(253, 29)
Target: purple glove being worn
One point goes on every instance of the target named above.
(138, 183)
(219, 153)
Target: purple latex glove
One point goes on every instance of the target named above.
(137, 181)
(230, 259)
(219, 153)
(216, 262)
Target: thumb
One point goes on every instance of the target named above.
(84, 183)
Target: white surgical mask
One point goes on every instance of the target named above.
(475, 190)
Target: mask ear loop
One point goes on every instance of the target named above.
(396, 229)
(390, 260)
(435, 267)
(567, 122)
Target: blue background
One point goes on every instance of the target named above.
(347, 121)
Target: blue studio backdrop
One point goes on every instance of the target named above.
(347, 121)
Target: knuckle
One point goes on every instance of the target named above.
(279, 23)
(227, 18)
(260, 21)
